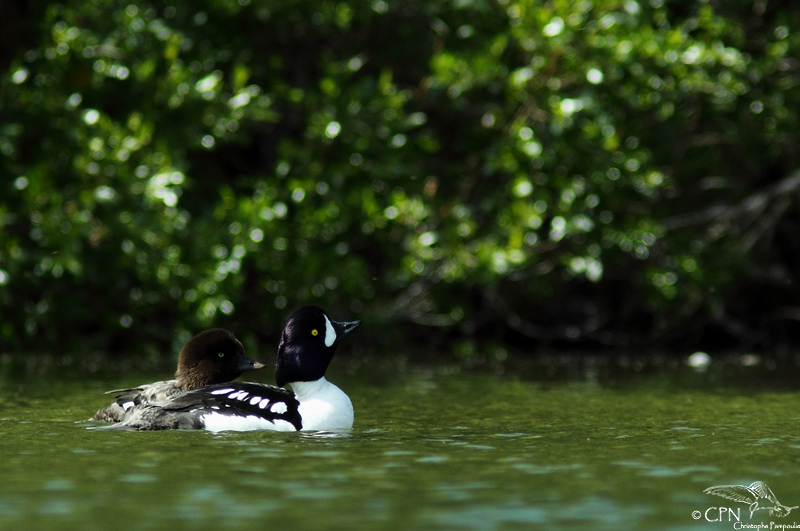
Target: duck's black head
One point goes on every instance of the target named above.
(308, 342)
(210, 357)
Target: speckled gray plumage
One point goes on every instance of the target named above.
(153, 393)
(154, 418)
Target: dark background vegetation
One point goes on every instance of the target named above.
(468, 175)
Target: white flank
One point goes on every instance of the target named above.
(330, 333)
(218, 422)
(222, 391)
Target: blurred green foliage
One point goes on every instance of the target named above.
(570, 170)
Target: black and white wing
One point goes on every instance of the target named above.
(240, 406)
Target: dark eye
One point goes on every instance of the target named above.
(314, 332)
(221, 354)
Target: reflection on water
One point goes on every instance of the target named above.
(434, 449)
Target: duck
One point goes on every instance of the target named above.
(211, 357)
(308, 342)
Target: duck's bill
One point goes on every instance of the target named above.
(344, 329)
(246, 364)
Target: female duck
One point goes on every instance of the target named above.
(210, 357)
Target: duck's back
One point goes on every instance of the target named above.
(148, 394)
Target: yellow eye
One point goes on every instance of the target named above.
(314, 332)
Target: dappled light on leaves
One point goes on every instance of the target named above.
(463, 165)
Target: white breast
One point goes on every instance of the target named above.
(323, 406)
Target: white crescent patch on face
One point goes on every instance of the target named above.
(330, 333)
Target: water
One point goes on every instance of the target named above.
(436, 450)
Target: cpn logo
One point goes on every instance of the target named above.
(716, 514)
(757, 496)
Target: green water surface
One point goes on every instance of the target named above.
(432, 449)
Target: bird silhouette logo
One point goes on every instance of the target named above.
(757, 495)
